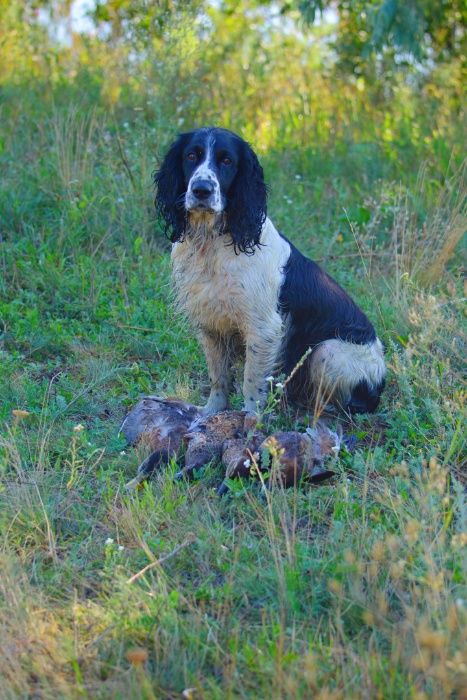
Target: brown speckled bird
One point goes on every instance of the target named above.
(241, 458)
(207, 436)
(292, 455)
(165, 426)
(160, 425)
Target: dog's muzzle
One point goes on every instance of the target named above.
(202, 194)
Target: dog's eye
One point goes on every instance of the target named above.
(191, 156)
(226, 160)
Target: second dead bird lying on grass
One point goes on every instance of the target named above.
(166, 426)
(295, 454)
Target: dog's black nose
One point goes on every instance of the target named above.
(202, 189)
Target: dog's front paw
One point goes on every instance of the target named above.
(217, 402)
(210, 409)
(206, 410)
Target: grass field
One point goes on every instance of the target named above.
(352, 589)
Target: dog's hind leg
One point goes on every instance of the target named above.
(352, 374)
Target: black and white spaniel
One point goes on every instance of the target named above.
(247, 289)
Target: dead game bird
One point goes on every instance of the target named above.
(206, 438)
(166, 426)
(160, 425)
(239, 457)
(294, 455)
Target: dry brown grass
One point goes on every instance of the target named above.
(422, 252)
(74, 144)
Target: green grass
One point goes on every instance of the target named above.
(351, 589)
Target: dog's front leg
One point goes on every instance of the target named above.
(262, 352)
(216, 350)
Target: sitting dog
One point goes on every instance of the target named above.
(246, 288)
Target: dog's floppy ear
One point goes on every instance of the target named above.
(247, 203)
(170, 185)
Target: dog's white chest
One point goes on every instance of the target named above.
(210, 286)
(225, 292)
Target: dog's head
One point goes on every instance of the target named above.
(213, 174)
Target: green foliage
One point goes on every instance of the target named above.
(393, 36)
(365, 29)
(140, 20)
(422, 28)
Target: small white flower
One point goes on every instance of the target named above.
(279, 385)
(122, 453)
(78, 428)
(270, 378)
(246, 463)
(298, 177)
(121, 548)
(120, 200)
(109, 541)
